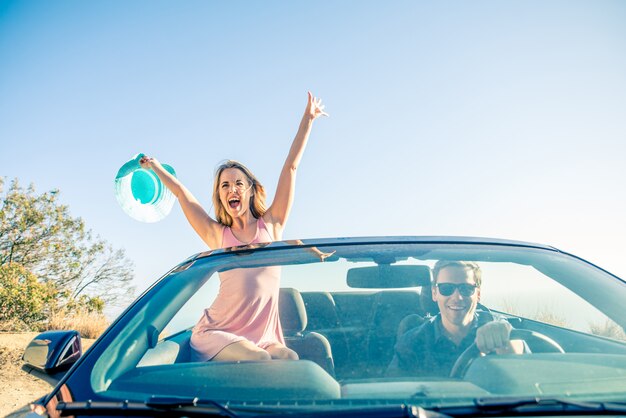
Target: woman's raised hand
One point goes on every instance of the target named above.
(147, 162)
(314, 107)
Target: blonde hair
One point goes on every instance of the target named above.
(257, 200)
(467, 265)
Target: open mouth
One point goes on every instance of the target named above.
(234, 202)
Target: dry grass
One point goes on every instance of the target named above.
(17, 387)
(608, 329)
(13, 325)
(544, 314)
(511, 307)
(550, 317)
(88, 324)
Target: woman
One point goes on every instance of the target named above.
(243, 323)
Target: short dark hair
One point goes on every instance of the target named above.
(468, 265)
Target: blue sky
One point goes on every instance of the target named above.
(483, 118)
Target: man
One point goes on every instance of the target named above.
(432, 348)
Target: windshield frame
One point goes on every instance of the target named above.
(189, 275)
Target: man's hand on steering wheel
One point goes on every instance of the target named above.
(472, 352)
(495, 336)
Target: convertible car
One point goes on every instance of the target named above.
(343, 304)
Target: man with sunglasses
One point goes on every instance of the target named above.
(432, 348)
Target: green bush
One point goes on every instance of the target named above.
(85, 304)
(24, 301)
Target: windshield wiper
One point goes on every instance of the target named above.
(395, 410)
(496, 406)
(194, 407)
(170, 402)
(155, 406)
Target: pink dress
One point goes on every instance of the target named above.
(246, 306)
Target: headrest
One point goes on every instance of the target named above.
(429, 306)
(393, 298)
(322, 312)
(292, 311)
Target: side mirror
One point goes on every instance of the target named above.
(52, 352)
(388, 276)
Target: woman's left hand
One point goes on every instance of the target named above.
(314, 107)
(324, 256)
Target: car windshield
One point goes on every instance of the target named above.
(365, 321)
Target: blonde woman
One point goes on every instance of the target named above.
(243, 322)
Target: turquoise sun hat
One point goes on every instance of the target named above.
(140, 192)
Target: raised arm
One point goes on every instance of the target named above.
(206, 227)
(278, 212)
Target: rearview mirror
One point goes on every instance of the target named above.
(386, 276)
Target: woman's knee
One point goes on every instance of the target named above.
(292, 355)
(283, 353)
(258, 355)
(242, 351)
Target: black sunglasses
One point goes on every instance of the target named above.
(465, 289)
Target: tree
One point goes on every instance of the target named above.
(39, 234)
(23, 299)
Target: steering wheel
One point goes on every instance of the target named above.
(472, 352)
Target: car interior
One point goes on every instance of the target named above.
(345, 339)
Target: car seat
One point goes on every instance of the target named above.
(323, 318)
(408, 323)
(429, 309)
(309, 345)
(429, 306)
(388, 310)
